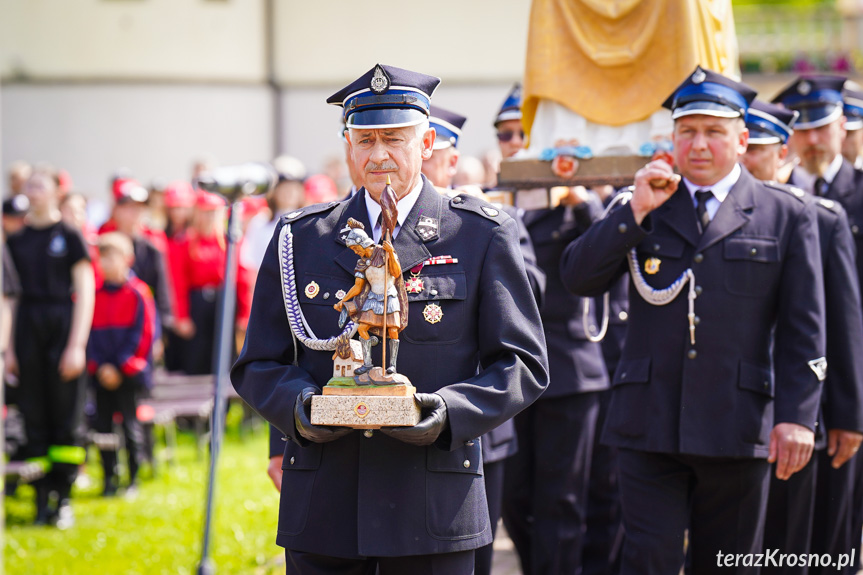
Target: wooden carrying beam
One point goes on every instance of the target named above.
(616, 171)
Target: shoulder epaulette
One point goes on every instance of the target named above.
(308, 211)
(828, 204)
(788, 189)
(477, 206)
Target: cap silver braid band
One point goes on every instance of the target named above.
(299, 327)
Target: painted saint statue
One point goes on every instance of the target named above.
(379, 286)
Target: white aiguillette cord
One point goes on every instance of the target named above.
(300, 328)
(649, 294)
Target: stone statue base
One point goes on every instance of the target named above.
(380, 401)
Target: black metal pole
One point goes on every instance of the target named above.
(223, 357)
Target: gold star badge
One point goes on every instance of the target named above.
(651, 266)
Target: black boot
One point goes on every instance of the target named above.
(367, 357)
(394, 355)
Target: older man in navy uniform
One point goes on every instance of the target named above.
(793, 503)
(402, 500)
(705, 397)
(817, 141)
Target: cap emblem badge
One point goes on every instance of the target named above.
(380, 82)
(804, 87)
(698, 76)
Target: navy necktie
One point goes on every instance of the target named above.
(820, 186)
(701, 197)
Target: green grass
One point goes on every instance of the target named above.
(159, 531)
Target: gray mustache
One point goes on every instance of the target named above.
(386, 166)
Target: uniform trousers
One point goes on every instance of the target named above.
(833, 529)
(722, 501)
(493, 474)
(790, 506)
(301, 563)
(124, 401)
(53, 409)
(545, 486)
(603, 540)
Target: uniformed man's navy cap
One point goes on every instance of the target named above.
(709, 93)
(447, 125)
(853, 107)
(386, 97)
(817, 98)
(769, 124)
(511, 108)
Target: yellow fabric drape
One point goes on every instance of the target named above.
(615, 61)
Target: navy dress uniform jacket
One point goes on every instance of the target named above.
(377, 496)
(847, 189)
(757, 268)
(576, 364)
(842, 398)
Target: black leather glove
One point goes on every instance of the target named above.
(429, 428)
(303, 421)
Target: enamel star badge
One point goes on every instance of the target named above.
(432, 313)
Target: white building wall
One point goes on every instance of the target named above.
(155, 131)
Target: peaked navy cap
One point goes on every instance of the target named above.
(853, 107)
(769, 124)
(386, 97)
(448, 127)
(817, 98)
(511, 108)
(709, 93)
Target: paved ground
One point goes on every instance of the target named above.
(505, 559)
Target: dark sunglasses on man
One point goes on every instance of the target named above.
(508, 135)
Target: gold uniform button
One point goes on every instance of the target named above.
(753, 251)
(698, 290)
(855, 229)
(623, 315)
(698, 258)
(622, 228)
(466, 463)
(692, 354)
(368, 433)
(292, 460)
(696, 320)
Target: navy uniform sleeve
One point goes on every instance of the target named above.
(512, 352)
(535, 275)
(593, 261)
(265, 375)
(800, 335)
(843, 406)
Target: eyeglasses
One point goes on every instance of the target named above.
(507, 136)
